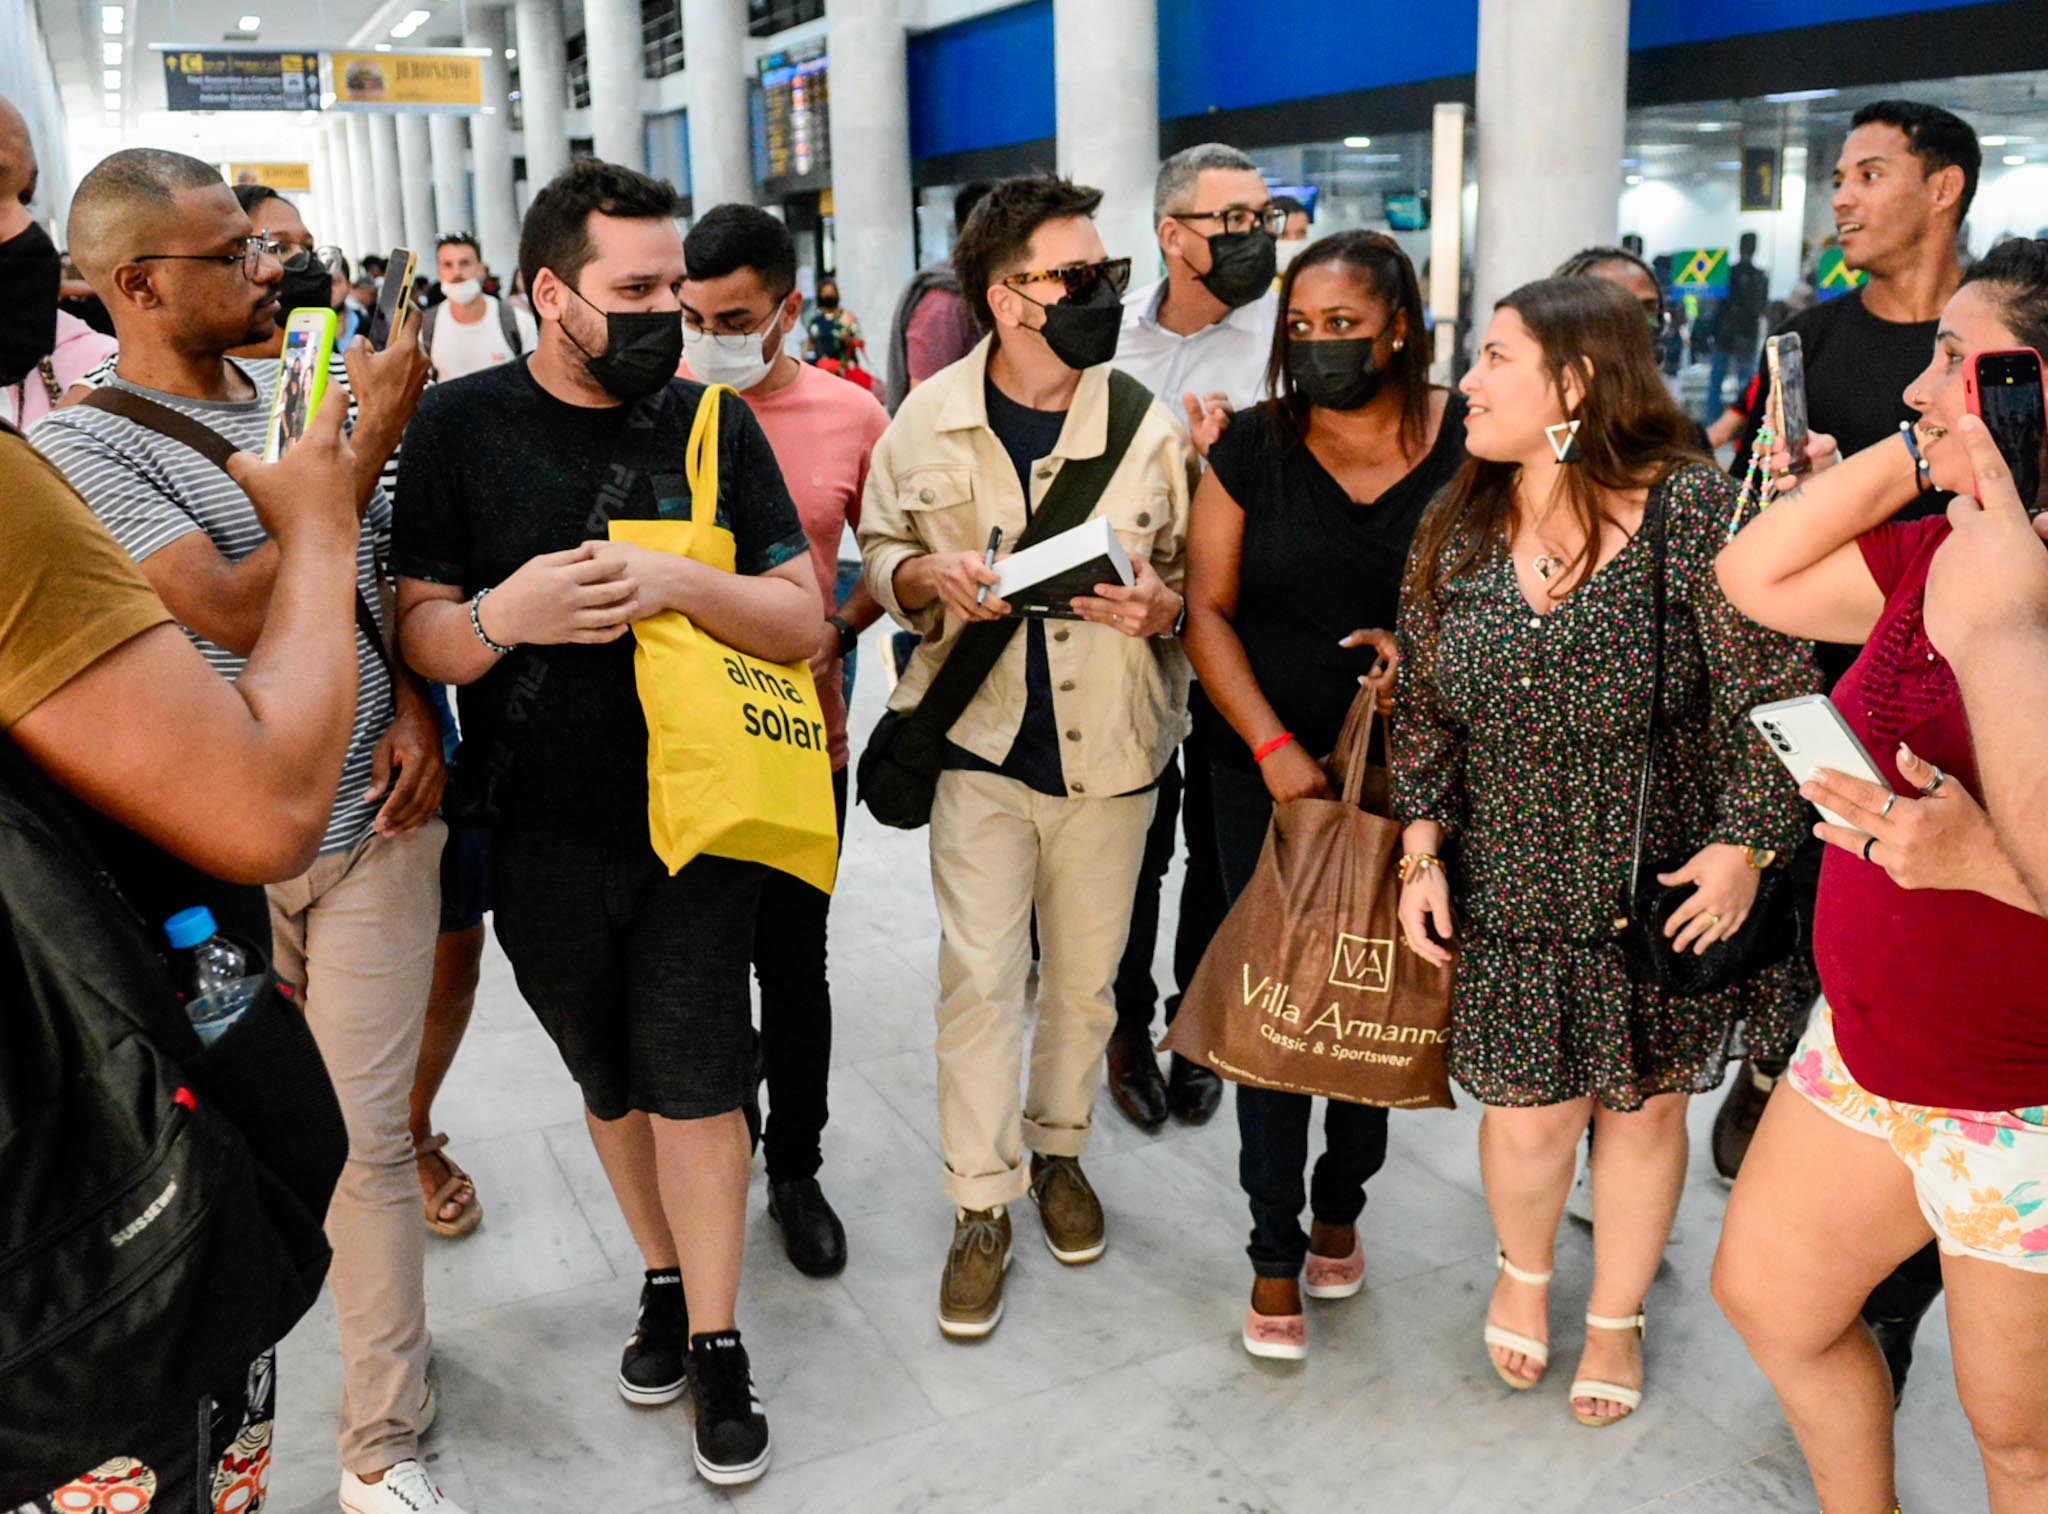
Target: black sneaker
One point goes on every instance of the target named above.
(1736, 1120)
(731, 1444)
(656, 1366)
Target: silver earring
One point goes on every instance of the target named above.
(1564, 441)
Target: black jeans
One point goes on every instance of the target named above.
(796, 1015)
(1272, 1126)
(1183, 797)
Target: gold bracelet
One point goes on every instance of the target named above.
(1414, 863)
(1759, 858)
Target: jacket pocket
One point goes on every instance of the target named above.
(1138, 516)
(938, 507)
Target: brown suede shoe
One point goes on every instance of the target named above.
(971, 1288)
(1068, 1209)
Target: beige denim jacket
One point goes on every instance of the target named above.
(939, 479)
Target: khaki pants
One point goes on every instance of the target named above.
(356, 931)
(1000, 847)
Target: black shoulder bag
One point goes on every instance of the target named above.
(1769, 934)
(900, 766)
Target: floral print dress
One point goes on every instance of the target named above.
(1522, 735)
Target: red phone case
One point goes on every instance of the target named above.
(1972, 396)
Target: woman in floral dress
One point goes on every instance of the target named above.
(1522, 712)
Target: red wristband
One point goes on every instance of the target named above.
(1272, 746)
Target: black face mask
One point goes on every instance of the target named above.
(1337, 375)
(642, 349)
(1083, 333)
(828, 302)
(1241, 266)
(30, 272)
(308, 289)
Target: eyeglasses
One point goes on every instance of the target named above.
(299, 259)
(254, 251)
(1238, 219)
(735, 341)
(1080, 279)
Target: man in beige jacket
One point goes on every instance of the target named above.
(1048, 788)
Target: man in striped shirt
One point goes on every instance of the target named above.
(167, 247)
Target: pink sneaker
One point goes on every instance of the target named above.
(1335, 1276)
(1278, 1337)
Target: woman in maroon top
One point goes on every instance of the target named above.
(1933, 1033)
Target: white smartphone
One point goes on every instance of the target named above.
(1808, 734)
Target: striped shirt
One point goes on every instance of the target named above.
(150, 491)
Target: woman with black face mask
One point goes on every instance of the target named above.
(43, 352)
(1300, 533)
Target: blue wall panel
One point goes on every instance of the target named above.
(1227, 54)
(982, 83)
(1665, 23)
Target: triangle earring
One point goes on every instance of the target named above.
(1564, 441)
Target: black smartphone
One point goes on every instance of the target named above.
(2003, 389)
(394, 299)
(1788, 396)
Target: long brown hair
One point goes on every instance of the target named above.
(1631, 432)
(1379, 260)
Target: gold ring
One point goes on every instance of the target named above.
(1712, 918)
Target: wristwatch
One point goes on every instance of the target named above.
(1759, 857)
(849, 638)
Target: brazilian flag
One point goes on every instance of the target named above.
(1834, 277)
(1702, 268)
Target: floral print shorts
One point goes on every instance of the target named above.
(1981, 1177)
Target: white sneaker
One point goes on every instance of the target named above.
(405, 1489)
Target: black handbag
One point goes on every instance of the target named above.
(898, 772)
(1770, 933)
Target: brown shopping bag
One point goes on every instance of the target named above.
(1307, 987)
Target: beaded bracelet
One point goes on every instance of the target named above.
(1756, 489)
(1922, 475)
(1272, 746)
(476, 624)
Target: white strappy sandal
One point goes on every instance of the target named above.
(1512, 1340)
(1630, 1399)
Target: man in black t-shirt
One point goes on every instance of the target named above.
(1903, 185)
(1735, 327)
(509, 590)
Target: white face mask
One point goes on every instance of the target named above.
(739, 361)
(464, 291)
(1290, 249)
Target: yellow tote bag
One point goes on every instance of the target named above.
(739, 763)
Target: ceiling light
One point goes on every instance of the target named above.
(1634, 178)
(511, 53)
(1793, 96)
(1713, 126)
(2014, 159)
(250, 23)
(113, 100)
(1991, 141)
(1358, 141)
(411, 23)
(110, 54)
(383, 47)
(113, 19)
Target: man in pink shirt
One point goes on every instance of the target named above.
(740, 302)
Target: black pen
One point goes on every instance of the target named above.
(995, 538)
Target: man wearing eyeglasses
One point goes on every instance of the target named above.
(1199, 339)
(167, 246)
(1050, 769)
(740, 303)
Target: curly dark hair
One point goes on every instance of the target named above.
(997, 237)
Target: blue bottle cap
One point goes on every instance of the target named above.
(189, 927)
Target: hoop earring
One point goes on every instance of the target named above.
(1564, 441)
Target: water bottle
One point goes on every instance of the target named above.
(213, 973)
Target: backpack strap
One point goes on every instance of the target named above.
(1068, 501)
(508, 322)
(216, 449)
(428, 319)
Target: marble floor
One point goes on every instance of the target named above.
(1116, 1387)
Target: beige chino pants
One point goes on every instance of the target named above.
(356, 932)
(998, 848)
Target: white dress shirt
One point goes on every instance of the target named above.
(1227, 358)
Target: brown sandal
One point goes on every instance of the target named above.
(458, 1183)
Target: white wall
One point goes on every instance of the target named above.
(2010, 201)
(1704, 213)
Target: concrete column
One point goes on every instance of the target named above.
(416, 175)
(1446, 233)
(1106, 109)
(870, 161)
(721, 141)
(448, 135)
(363, 176)
(325, 223)
(1552, 95)
(543, 89)
(490, 146)
(341, 231)
(612, 30)
(390, 198)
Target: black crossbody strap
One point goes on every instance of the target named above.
(216, 449)
(1069, 500)
(1654, 522)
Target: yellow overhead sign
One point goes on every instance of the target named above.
(289, 176)
(445, 79)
